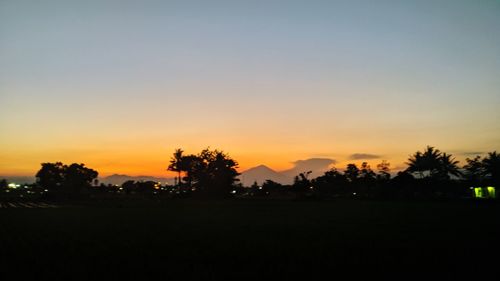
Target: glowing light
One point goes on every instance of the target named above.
(491, 192)
(478, 192)
(485, 192)
(13, 185)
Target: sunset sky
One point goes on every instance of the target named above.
(118, 85)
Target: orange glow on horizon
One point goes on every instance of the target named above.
(151, 164)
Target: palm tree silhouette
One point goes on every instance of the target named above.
(177, 164)
(427, 161)
(491, 166)
(474, 169)
(448, 166)
(437, 164)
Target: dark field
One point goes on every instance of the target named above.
(252, 239)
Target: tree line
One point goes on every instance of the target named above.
(210, 172)
(213, 173)
(430, 173)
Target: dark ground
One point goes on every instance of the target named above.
(252, 239)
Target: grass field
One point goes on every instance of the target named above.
(251, 239)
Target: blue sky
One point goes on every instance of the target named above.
(117, 83)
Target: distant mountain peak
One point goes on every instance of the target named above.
(117, 175)
(260, 174)
(260, 167)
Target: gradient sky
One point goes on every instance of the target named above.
(119, 85)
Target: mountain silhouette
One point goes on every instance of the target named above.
(262, 173)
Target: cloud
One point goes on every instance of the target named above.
(316, 165)
(364, 156)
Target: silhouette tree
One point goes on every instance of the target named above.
(222, 171)
(434, 164)
(435, 169)
(474, 169)
(403, 184)
(77, 177)
(301, 182)
(191, 164)
(351, 172)
(177, 164)
(146, 186)
(366, 180)
(257, 190)
(384, 171)
(129, 186)
(447, 166)
(69, 180)
(334, 176)
(331, 182)
(416, 164)
(272, 186)
(254, 185)
(212, 172)
(302, 185)
(404, 177)
(491, 166)
(428, 161)
(366, 173)
(51, 176)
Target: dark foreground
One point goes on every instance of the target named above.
(250, 239)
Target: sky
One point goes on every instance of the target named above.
(118, 85)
